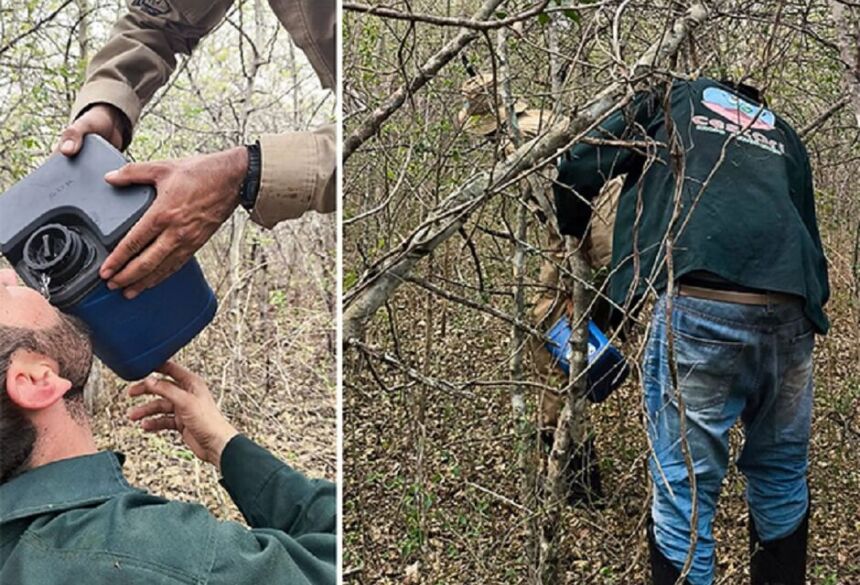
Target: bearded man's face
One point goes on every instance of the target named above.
(28, 323)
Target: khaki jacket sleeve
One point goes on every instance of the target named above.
(312, 24)
(298, 171)
(299, 174)
(141, 53)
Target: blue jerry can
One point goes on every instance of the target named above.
(59, 224)
(607, 368)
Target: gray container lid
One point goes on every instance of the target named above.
(73, 186)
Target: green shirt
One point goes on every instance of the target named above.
(78, 521)
(751, 221)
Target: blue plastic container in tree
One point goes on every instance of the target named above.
(60, 223)
(607, 368)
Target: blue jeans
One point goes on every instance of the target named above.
(733, 361)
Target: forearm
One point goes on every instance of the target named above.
(588, 167)
(270, 494)
(140, 55)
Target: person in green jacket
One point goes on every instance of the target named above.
(717, 202)
(67, 515)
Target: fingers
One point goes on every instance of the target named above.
(162, 423)
(184, 377)
(176, 390)
(160, 387)
(71, 140)
(142, 252)
(159, 406)
(138, 389)
(168, 268)
(136, 174)
(101, 119)
(153, 260)
(140, 236)
(146, 413)
(186, 406)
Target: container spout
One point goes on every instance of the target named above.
(55, 254)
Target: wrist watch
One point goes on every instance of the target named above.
(251, 184)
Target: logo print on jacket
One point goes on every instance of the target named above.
(737, 110)
(152, 7)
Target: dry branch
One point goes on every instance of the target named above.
(469, 23)
(426, 72)
(35, 28)
(451, 214)
(819, 121)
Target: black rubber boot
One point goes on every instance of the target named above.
(779, 562)
(581, 474)
(663, 572)
(585, 485)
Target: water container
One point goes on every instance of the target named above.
(607, 368)
(59, 224)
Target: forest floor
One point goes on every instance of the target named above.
(431, 494)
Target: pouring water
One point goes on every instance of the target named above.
(45, 285)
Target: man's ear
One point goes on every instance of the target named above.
(33, 382)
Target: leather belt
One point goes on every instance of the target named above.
(731, 296)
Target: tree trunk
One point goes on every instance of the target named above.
(570, 429)
(847, 23)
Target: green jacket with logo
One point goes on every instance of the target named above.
(78, 521)
(747, 204)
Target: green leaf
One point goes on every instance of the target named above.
(572, 14)
(543, 18)
(349, 280)
(277, 298)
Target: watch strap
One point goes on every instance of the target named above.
(251, 184)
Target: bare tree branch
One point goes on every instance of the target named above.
(467, 23)
(371, 125)
(35, 27)
(450, 215)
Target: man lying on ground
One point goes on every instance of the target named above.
(67, 515)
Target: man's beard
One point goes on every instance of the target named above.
(68, 343)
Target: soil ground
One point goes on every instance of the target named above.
(431, 494)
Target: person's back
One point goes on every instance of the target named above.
(747, 204)
(722, 187)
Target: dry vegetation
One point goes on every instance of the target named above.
(432, 488)
(269, 354)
